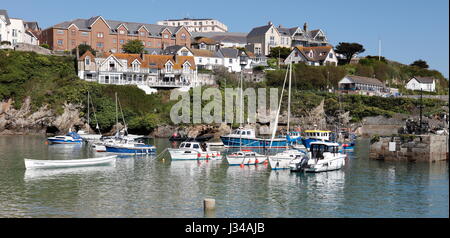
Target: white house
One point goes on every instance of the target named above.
(425, 83)
(206, 59)
(315, 55)
(14, 31)
(353, 84)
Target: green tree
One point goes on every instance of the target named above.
(133, 47)
(349, 50)
(279, 52)
(46, 46)
(82, 49)
(420, 63)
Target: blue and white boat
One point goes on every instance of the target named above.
(245, 138)
(310, 136)
(69, 138)
(129, 146)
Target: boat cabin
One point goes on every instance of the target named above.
(317, 134)
(318, 148)
(243, 153)
(241, 132)
(294, 134)
(192, 146)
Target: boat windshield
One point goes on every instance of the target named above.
(317, 150)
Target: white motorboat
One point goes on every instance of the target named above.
(283, 159)
(193, 151)
(323, 156)
(129, 146)
(69, 138)
(89, 137)
(245, 157)
(48, 164)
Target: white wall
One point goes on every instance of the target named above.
(413, 84)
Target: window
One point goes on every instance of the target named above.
(99, 44)
(149, 43)
(14, 32)
(112, 65)
(83, 33)
(121, 32)
(169, 67)
(230, 61)
(330, 55)
(72, 42)
(87, 60)
(183, 36)
(121, 41)
(142, 33)
(114, 41)
(73, 32)
(166, 36)
(60, 32)
(60, 42)
(186, 67)
(199, 60)
(196, 146)
(100, 34)
(217, 61)
(186, 23)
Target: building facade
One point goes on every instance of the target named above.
(427, 84)
(14, 30)
(110, 35)
(145, 69)
(196, 25)
(352, 84)
(316, 55)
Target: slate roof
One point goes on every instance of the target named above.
(133, 27)
(206, 53)
(229, 52)
(257, 31)
(5, 13)
(426, 80)
(365, 80)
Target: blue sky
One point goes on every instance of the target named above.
(409, 30)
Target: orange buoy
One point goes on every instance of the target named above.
(198, 155)
(46, 142)
(256, 161)
(241, 165)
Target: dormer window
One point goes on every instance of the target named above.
(87, 60)
(169, 66)
(166, 36)
(112, 65)
(186, 67)
(121, 32)
(310, 54)
(135, 66)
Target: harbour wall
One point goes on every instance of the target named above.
(414, 148)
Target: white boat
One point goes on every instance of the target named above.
(47, 164)
(69, 138)
(323, 156)
(89, 137)
(245, 157)
(129, 146)
(193, 151)
(283, 159)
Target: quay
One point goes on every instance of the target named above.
(414, 148)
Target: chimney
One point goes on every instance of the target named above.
(305, 27)
(269, 23)
(280, 26)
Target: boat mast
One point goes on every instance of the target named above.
(88, 112)
(117, 114)
(289, 101)
(241, 112)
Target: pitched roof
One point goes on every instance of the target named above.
(427, 80)
(257, 31)
(87, 53)
(206, 40)
(133, 27)
(229, 52)
(365, 80)
(206, 53)
(5, 13)
(319, 52)
(159, 61)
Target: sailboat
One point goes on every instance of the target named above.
(86, 135)
(282, 160)
(125, 144)
(246, 138)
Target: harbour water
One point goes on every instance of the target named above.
(142, 186)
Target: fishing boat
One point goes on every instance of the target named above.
(48, 164)
(246, 138)
(193, 150)
(69, 138)
(245, 157)
(129, 146)
(323, 156)
(310, 136)
(348, 146)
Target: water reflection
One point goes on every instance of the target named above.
(146, 186)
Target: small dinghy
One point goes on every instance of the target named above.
(48, 164)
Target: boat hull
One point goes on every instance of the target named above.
(64, 141)
(247, 160)
(236, 142)
(130, 150)
(48, 164)
(177, 154)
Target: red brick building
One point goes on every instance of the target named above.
(109, 35)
